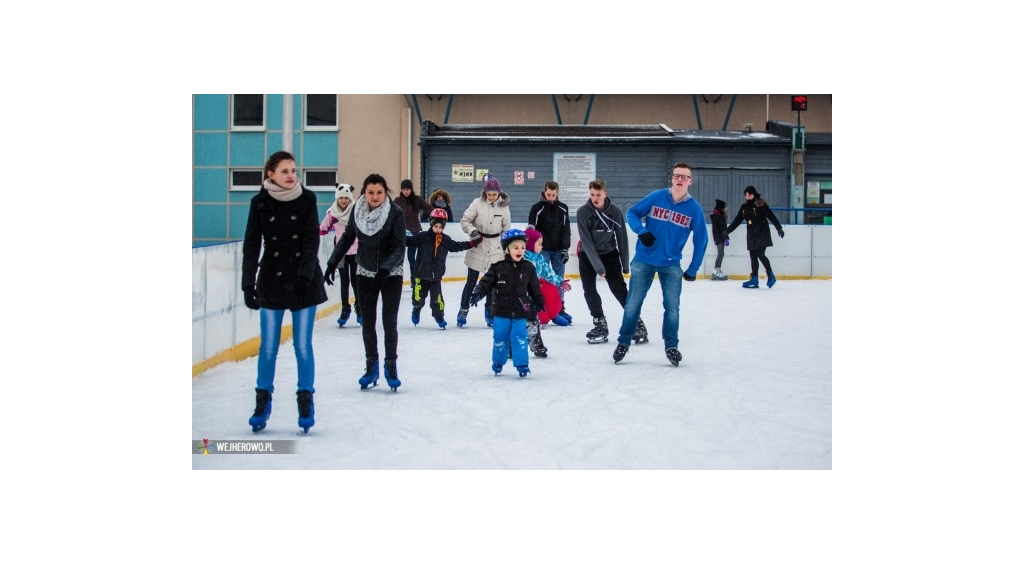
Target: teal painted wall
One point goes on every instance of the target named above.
(219, 215)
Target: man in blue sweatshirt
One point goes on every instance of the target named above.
(663, 222)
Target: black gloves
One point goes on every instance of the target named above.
(647, 239)
(689, 277)
(252, 300)
(300, 286)
(329, 274)
(781, 233)
(475, 241)
(474, 299)
(565, 256)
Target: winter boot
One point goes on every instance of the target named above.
(719, 275)
(536, 343)
(599, 334)
(369, 379)
(346, 312)
(674, 356)
(752, 283)
(523, 370)
(771, 278)
(262, 413)
(391, 375)
(561, 321)
(460, 320)
(441, 322)
(640, 336)
(305, 400)
(620, 353)
(565, 314)
(416, 315)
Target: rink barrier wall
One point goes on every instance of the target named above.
(224, 330)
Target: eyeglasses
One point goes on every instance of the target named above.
(681, 177)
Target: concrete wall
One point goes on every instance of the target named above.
(224, 329)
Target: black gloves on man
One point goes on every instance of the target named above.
(647, 239)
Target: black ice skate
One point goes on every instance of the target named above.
(262, 413)
(640, 336)
(674, 356)
(536, 343)
(599, 334)
(305, 400)
(620, 353)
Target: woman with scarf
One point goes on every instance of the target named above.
(283, 220)
(379, 227)
(337, 218)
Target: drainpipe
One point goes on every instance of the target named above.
(288, 123)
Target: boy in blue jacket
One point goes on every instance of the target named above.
(663, 221)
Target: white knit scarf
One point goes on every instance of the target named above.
(282, 194)
(341, 214)
(371, 221)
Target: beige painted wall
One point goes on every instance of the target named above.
(375, 129)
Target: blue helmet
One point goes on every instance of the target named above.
(512, 235)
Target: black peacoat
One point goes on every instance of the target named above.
(290, 236)
(756, 214)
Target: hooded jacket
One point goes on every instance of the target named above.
(601, 232)
(552, 220)
(490, 221)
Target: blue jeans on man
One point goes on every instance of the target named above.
(641, 276)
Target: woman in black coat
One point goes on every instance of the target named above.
(756, 213)
(379, 225)
(283, 217)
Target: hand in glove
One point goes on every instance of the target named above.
(647, 239)
(252, 300)
(474, 299)
(781, 233)
(475, 241)
(564, 286)
(689, 277)
(726, 241)
(565, 256)
(329, 274)
(300, 286)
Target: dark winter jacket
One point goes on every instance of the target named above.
(432, 252)
(552, 220)
(290, 234)
(601, 232)
(718, 226)
(411, 208)
(513, 287)
(382, 250)
(447, 207)
(756, 214)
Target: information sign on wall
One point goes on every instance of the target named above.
(573, 173)
(462, 173)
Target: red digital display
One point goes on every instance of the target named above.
(799, 103)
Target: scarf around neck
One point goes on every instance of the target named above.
(371, 221)
(282, 194)
(341, 214)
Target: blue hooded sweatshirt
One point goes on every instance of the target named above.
(671, 225)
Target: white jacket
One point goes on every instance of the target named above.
(487, 219)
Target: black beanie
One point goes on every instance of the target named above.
(406, 184)
(752, 190)
(719, 205)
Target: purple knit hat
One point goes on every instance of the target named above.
(491, 183)
(531, 238)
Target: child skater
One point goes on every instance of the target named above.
(550, 285)
(432, 248)
(337, 218)
(514, 291)
(719, 221)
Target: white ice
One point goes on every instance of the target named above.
(753, 391)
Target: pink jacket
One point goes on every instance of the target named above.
(331, 222)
